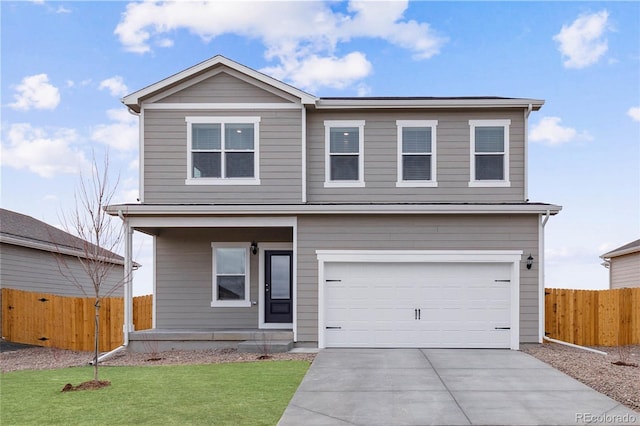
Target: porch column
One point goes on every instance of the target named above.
(128, 282)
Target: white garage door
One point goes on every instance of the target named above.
(453, 305)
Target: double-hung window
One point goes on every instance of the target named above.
(230, 275)
(489, 152)
(344, 153)
(416, 153)
(223, 150)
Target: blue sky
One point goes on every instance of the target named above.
(65, 65)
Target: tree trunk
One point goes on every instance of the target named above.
(97, 340)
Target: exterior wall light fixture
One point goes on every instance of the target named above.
(529, 261)
(254, 247)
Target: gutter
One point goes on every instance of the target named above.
(128, 312)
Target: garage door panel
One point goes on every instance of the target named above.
(378, 304)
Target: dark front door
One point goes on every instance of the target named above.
(278, 286)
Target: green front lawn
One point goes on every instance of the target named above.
(252, 393)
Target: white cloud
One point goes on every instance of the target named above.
(62, 9)
(35, 91)
(115, 85)
(550, 132)
(42, 152)
(121, 134)
(582, 43)
(307, 34)
(634, 113)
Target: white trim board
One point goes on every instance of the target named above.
(262, 247)
(512, 257)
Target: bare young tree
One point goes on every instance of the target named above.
(98, 240)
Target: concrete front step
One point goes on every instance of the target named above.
(265, 347)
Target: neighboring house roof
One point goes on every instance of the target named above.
(134, 100)
(22, 230)
(629, 248)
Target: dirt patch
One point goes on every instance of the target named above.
(90, 385)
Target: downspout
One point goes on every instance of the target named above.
(128, 291)
(304, 154)
(541, 280)
(526, 151)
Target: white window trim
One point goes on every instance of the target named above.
(472, 177)
(255, 180)
(328, 183)
(433, 182)
(246, 303)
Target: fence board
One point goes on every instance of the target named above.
(68, 322)
(593, 317)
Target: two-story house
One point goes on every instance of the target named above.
(336, 222)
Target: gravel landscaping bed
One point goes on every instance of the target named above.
(599, 372)
(39, 358)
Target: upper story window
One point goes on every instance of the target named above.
(489, 152)
(344, 153)
(231, 275)
(223, 150)
(416, 153)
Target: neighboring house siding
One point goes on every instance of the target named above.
(39, 271)
(184, 282)
(225, 88)
(165, 159)
(415, 232)
(380, 157)
(625, 271)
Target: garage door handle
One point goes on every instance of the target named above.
(502, 328)
(502, 281)
(416, 314)
(333, 328)
(333, 281)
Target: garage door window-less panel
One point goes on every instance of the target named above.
(430, 303)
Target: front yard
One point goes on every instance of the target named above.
(249, 393)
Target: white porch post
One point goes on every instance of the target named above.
(128, 282)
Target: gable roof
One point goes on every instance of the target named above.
(134, 100)
(25, 231)
(632, 247)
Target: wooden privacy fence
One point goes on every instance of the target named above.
(68, 322)
(593, 317)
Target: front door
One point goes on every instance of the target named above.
(278, 286)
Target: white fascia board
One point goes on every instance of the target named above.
(211, 222)
(412, 256)
(133, 99)
(617, 253)
(428, 103)
(134, 210)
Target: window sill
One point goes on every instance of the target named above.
(231, 304)
(344, 184)
(219, 181)
(417, 184)
(489, 183)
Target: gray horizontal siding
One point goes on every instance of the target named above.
(432, 232)
(625, 271)
(40, 271)
(184, 281)
(165, 160)
(223, 88)
(380, 157)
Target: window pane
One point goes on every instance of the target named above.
(344, 140)
(230, 288)
(205, 136)
(238, 136)
(230, 261)
(239, 164)
(416, 139)
(280, 277)
(344, 167)
(205, 164)
(489, 167)
(416, 167)
(490, 139)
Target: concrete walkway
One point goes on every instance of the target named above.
(445, 387)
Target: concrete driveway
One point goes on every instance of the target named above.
(445, 387)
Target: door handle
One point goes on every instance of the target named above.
(419, 313)
(415, 314)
